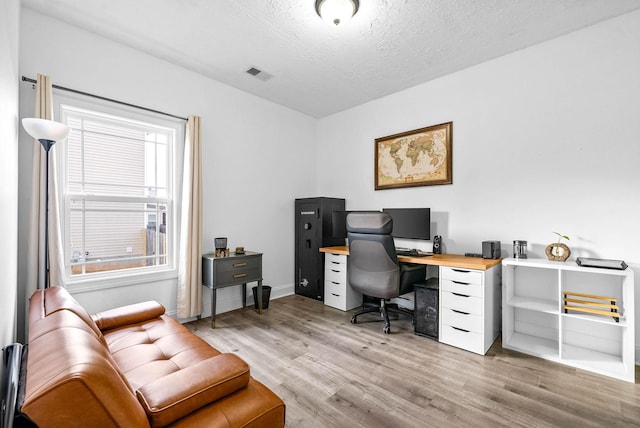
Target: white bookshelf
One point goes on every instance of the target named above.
(534, 320)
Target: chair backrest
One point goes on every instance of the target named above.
(373, 264)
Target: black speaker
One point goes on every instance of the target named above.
(491, 249)
(437, 244)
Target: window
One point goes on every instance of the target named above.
(118, 205)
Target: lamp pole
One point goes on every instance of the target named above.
(46, 145)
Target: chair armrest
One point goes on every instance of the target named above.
(411, 274)
(176, 395)
(126, 315)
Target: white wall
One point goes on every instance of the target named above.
(255, 153)
(9, 19)
(545, 139)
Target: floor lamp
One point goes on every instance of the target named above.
(47, 132)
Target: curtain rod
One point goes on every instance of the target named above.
(75, 91)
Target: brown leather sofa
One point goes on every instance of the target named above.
(133, 367)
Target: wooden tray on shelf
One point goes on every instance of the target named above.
(596, 305)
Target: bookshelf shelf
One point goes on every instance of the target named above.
(534, 319)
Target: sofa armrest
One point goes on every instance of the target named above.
(176, 395)
(126, 315)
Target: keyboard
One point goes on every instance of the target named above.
(411, 252)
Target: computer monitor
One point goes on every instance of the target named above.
(410, 223)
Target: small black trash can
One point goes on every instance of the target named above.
(266, 294)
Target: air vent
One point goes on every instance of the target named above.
(259, 74)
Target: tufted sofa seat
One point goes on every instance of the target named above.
(133, 366)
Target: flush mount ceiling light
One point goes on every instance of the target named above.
(336, 12)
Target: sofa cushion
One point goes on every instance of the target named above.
(48, 301)
(254, 406)
(151, 350)
(72, 381)
(127, 315)
(180, 393)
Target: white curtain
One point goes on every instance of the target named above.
(190, 257)
(36, 263)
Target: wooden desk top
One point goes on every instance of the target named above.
(450, 260)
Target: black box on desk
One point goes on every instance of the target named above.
(426, 308)
(491, 249)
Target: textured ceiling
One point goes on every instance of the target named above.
(311, 67)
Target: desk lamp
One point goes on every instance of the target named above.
(47, 132)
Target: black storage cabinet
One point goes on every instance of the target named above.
(314, 230)
(426, 308)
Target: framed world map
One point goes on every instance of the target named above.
(421, 157)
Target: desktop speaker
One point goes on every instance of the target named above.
(491, 249)
(437, 244)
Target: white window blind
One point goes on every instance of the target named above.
(118, 194)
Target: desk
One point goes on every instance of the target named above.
(450, 260)
(469, 297)
(234, 269)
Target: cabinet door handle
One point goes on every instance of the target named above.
(460, 329)
(239, 275)
(461, 283)
(240, 264)
(461, 295)
(460, 312)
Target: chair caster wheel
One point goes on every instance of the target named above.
(353, 320)
(386, 329)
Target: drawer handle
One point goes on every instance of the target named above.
(334, 294)
(461, 270)
(336, 271)
(460, 312)
(239, 275)
(461, 283)
(335, 263)
(240, 264)
(460, 329)
(461, 295)
(333, 282)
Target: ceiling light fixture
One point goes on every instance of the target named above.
(336, 12)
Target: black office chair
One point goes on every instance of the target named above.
(373, 267)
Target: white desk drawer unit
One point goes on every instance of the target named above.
(463, 303)
(337, 292)
(469, 308)
(462, 320)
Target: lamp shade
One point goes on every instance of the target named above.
(336, 12)
(43, 129)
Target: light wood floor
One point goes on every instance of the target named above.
(331, 373)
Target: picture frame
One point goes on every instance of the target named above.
(421, 157)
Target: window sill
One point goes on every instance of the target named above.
(115, 281)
